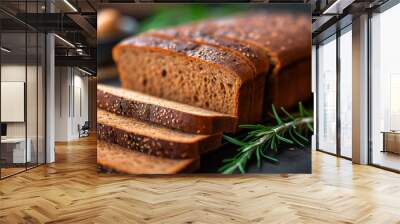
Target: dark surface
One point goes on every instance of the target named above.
(291, 160)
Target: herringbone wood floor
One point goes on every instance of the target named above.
(71, 191)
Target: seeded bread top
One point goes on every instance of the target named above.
(164, 112)
(145, 98)
(207, 53)
(287, 36)
(255, 55)
(145, 129)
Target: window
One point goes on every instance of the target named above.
(22, 77)
(346, 92)
(385, 89)
(327, 96)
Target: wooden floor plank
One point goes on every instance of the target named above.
(71, 191)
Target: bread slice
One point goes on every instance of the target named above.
(115, 157)
(163, 112)
(255, 56)
(286, 37)
(152, 139)
(187, 72)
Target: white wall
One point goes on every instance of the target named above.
(33, 127)
(71, 93)
(12, 73)
(61, 114)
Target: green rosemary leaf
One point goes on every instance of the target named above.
(300, 136)
(251, 126)
(228, 160)
(310, 127)
(284, 139)
(229, 170)
(241, 168)
(273, 142)
(301, 109)
(261, 139)
(247, 148)
(226, 166)
(263, 133)
(269, 157)
(234, 140)
(294, 138)
(287, 113)
(258, 157)
(276, 116)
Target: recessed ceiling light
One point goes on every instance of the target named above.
(64, 40)
(338, 6)
(84, 71)
(70, 5)
(5, 50)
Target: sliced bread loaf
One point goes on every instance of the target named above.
(285, 37)
(163, 112)
(187, 72)
(256, 56)
(115, 157)
(152, 139)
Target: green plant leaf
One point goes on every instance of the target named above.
(251, 126)
(284, 139)
(241, 168)
(234, 140)
(300, 136)
(276, 116)
(269, 157)
(294, 138)
(287, 113)
(310, 127)
(258, 157)
(260, 139)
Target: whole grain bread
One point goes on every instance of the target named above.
(256, 56)
(115, 157)
(286, 38)
(152, 139)
(163, 112)
(187, 72)
(292, 85)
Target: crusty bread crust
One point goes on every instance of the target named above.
(286, 37)
(207, 53)
(283, 89)
(112, 156)
(163, 112)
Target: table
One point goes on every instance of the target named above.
(13, 150)
(391, 141)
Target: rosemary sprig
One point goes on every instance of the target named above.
(262, 138)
